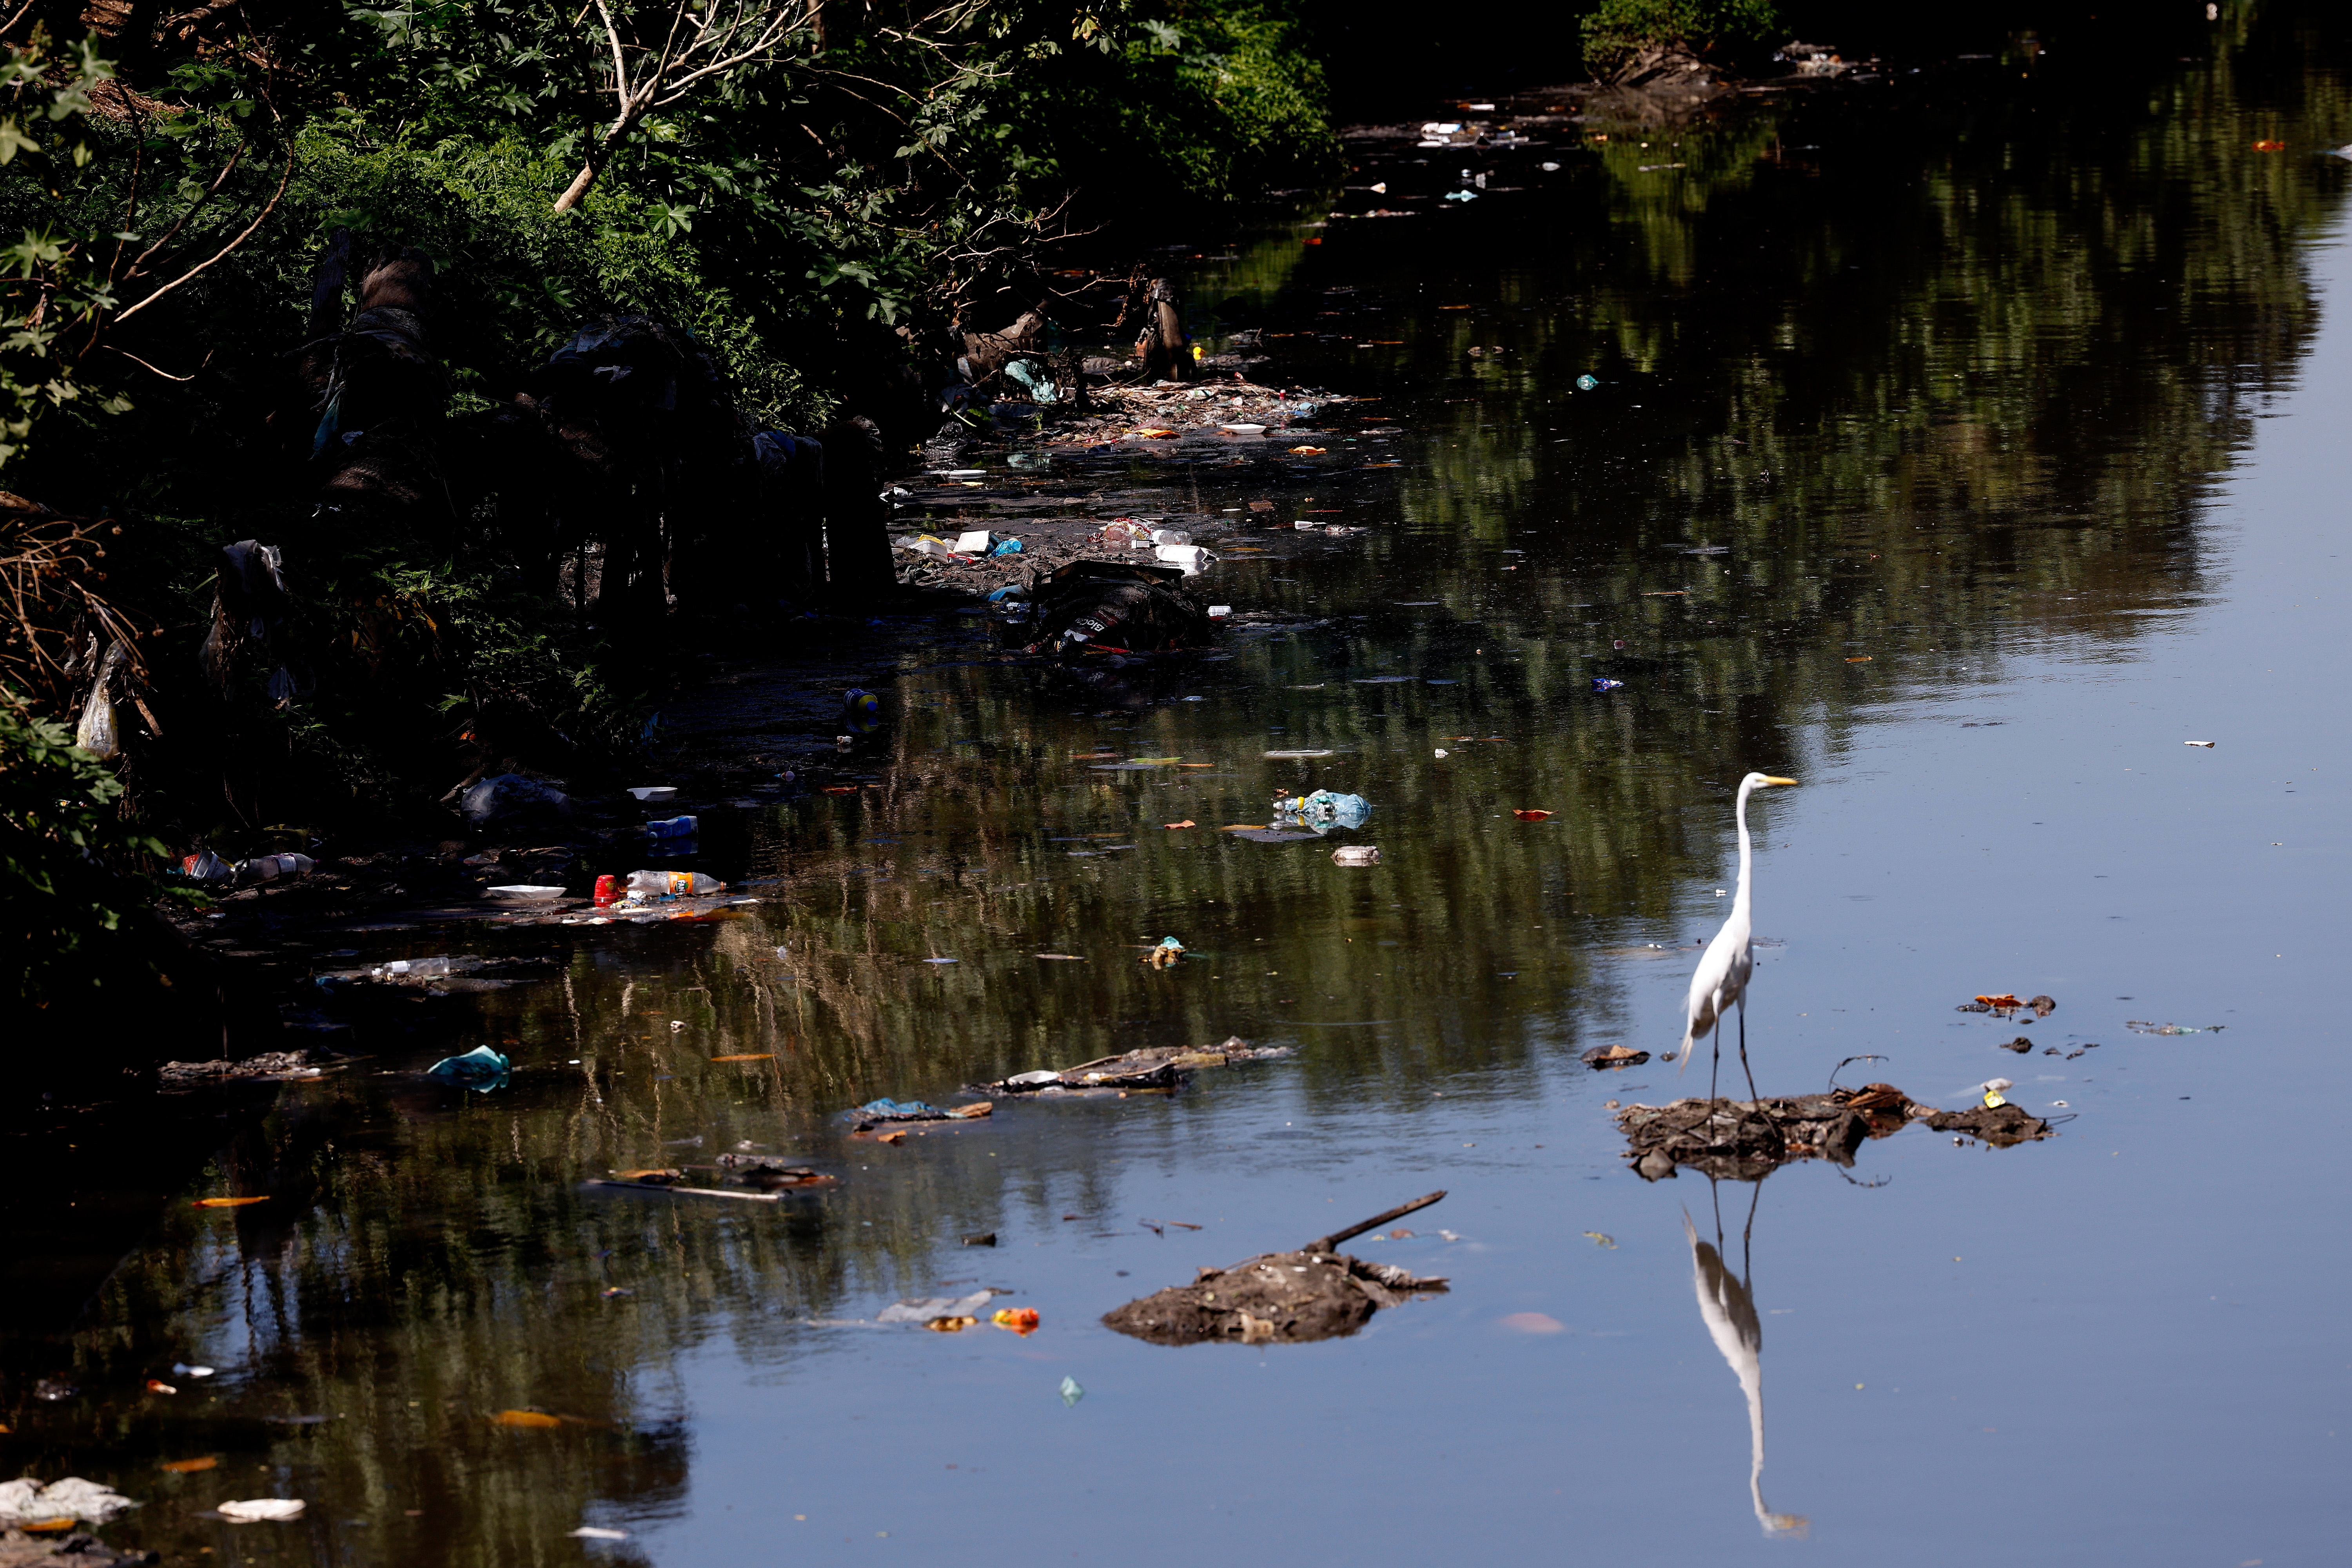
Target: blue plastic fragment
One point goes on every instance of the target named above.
(481, 1070)
(1010, 547)
(1587, 382)
(1602, 683)
(900, 1111)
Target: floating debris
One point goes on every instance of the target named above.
(2006, 1004)
(25, 1502)
(931, 1311)
(772, 1174)
(1279, 1297)
(1614, 1056)
(1742, 1140)
(877, 1113)
(1155, 1067)
(270, 1067)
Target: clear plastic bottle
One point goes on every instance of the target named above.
(672, 884)
(424, 968)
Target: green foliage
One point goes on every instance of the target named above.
(900, 167)
(53, 292)
(1619, 31)
(515, 276)
(1220, 102)
(67, 878)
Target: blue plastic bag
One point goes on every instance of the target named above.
(481, 1070)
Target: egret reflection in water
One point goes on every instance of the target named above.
(1729, 1309)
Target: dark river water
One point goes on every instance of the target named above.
(1962, 455)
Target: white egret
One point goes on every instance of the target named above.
(1721, 981)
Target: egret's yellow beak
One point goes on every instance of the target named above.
(1770, 780)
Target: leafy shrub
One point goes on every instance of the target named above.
(1619, 32)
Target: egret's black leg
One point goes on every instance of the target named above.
(1743, 1048)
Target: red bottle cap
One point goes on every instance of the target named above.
(607, 890)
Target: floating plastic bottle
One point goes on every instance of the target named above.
(672, 885)
(1324, 810)
(671, 828)
(427, 968)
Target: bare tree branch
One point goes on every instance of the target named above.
(166, 374)
(218, 180)
(259, 218)
(695, 50)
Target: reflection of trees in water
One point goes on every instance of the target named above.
(1728, 1307)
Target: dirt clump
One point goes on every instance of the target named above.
(1742, 1140)
(1998, 1125)
(1317, 1292)
(1275, 1298)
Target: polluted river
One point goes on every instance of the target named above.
(1974, 459)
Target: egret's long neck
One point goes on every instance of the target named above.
(1739, 899)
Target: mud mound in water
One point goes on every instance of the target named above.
(1741, 1140)
(1288, 1298)
(1275, 1298)
(1998, 1125)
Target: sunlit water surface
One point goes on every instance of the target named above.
(2021, 435)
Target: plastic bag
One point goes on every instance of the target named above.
(96, 733)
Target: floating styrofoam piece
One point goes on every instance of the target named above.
(256, 1509)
